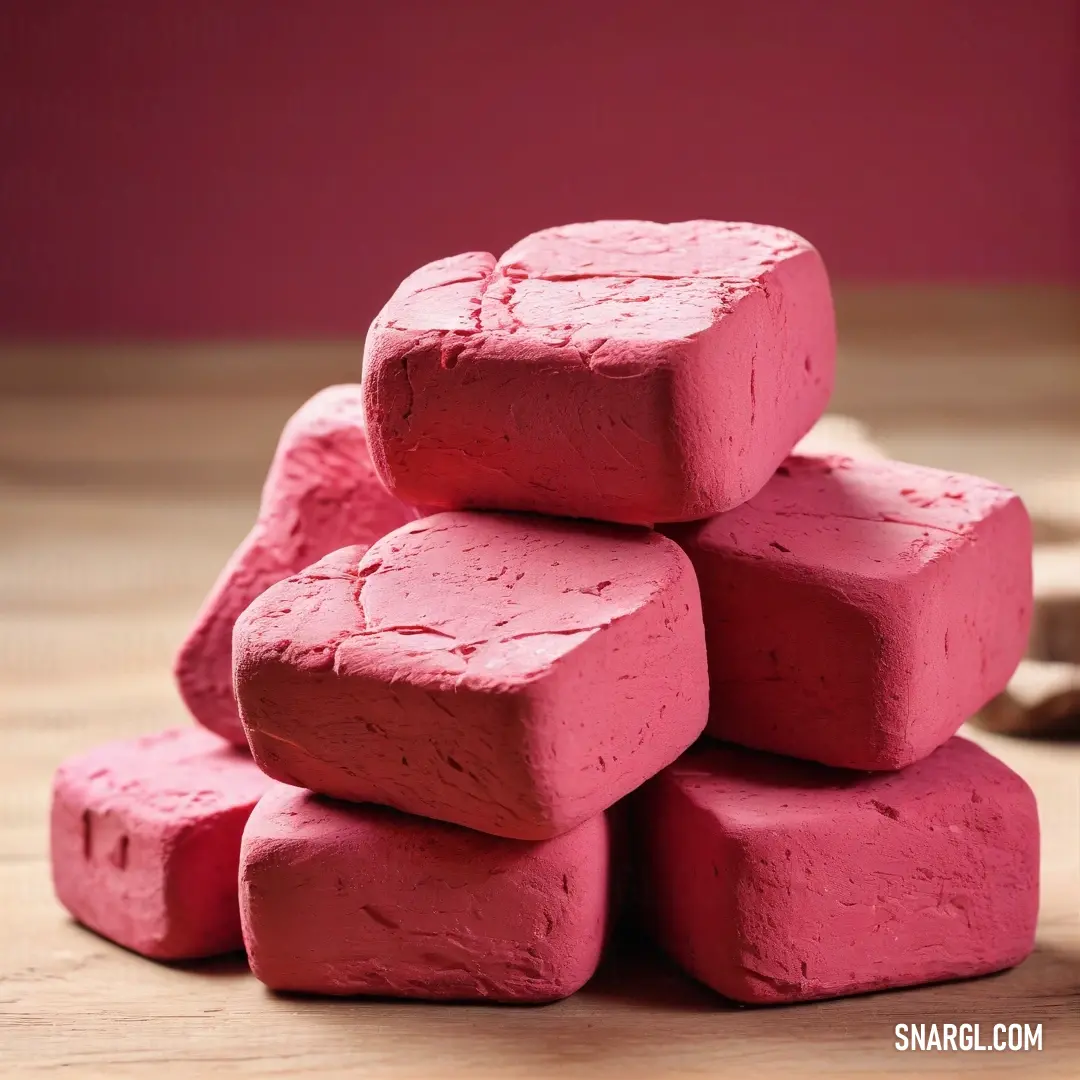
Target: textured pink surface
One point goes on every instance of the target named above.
(509, 673)
(145, 841)
(857, 612)
(773, 880)
(321, 494)
(620, 370)
(345, 899)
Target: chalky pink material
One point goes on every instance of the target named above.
(622, 370)
(513, 674)
(857, 612)
(321, 494)
(145, 839)
(775, 880)
(345, 899)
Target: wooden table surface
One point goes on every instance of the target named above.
(116, 511)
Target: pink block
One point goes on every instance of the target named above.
(145, 839)
(621, 370)
(774, 880)
(321, 493)
(345, 899)
(512, 674)
(857, 612)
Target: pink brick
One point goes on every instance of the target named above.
(321, 494)
(346, 899)
(512, 674)
(775, 880)
(145, 838)
(621, 370)
(857, 612)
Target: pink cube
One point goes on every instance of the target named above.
(346, 899)
(773, 880)
(857, 612)
(512, 674)
(145, 838)
(321, 494)
(621, 370)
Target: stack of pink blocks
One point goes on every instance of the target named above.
(456, 677)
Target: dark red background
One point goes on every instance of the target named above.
(198, 168)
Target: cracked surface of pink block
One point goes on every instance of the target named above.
(339, 898)
(857, 612)
(510, 673)
(145, 841)
(321, 493)
(622, 370)
(774, 880)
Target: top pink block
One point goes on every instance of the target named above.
(622, 370)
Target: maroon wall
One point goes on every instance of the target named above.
(244, 168)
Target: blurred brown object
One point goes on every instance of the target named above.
(1042, 701)
(1055, 628)
(1054, 505)
(836, 434)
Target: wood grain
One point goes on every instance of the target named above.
(116, 511)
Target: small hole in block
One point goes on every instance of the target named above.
(119, 856)
(885, 810)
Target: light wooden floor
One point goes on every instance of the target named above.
(117, 507)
